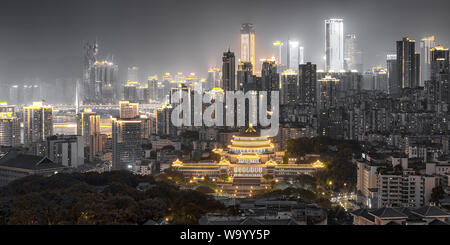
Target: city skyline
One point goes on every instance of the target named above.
(192, 45)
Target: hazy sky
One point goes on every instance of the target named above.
(43, 38)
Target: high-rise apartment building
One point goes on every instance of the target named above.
(88, 126)
(289, 87)
(308, 83)
(37, 122)
(9, 127)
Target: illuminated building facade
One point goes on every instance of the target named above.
(289, 87)
(37, 122)
(88, 126)
(327, 92)
(352, 56)
(245, 76)
(246, 160)
(426, 44)
(307, 77)
(278, 45)
(126, 143)
(248, 43)
(293, 55)
(334, 44)
(213, 80)
(9, 129)
(128, 110)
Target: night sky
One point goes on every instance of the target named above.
(43, 38)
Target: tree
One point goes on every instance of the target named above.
(268, 177)
(224, 177)
(437, 193)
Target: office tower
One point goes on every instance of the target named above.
(67, 150)
(213, 80)
(301, 55)
(228, 71)
(15, 95)
(277, 45)
(307, 80)
(37, 122)
(394, 86)
(126, 143)
(88, 126)
(334, 44)
(376, 79)
(289, 87)
(104, 76)
(327, 92)
(152, 82)
(293, 55)
(244, 76)
(90, 57)
(352, 55)
(128, 110)
(426, 44)
(408, 67)
(9, 127)
(133, 74)
(439, 60)
(130, 91)
(248, 43)
(270, 79)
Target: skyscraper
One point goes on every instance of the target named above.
(248, 43)
(308, 83)
(152, 82)
(293, 55)
(90, 57)
(126, 143)
(104, 78)
(133, 74)
(245, 79)
(289, 87)
(439, 60)
(334, 44)
(37, 122)
(426, 44)
(408, 63)
(301, 52)
(228, 71)
(277, 45)
(213, 80)
(394, 86)
(352, 56)
(327, 92)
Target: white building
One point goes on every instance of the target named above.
(334, 44)
(67, 150)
